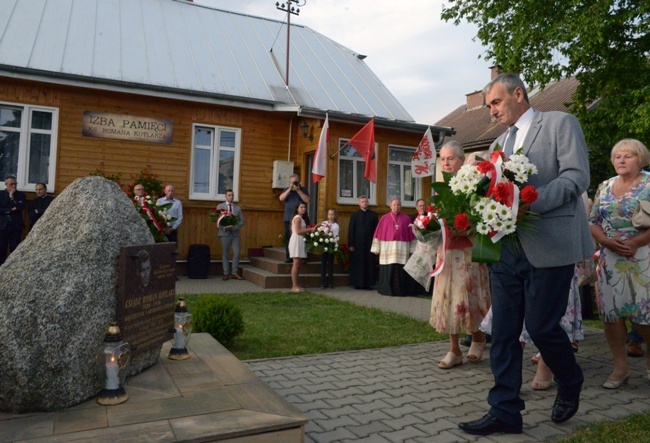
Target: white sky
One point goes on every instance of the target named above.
(427, 63)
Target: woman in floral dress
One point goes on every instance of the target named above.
(623, 271)
(461, 292)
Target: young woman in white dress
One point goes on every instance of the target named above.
(297, 250)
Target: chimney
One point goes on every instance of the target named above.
(475, 99)
(495, 71)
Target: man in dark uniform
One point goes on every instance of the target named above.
(360, 231)
(12, 203)
(420, 206)
(36, 207)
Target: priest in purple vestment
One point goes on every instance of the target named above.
(393, 242)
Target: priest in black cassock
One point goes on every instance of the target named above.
(36, 207)
(360, 231)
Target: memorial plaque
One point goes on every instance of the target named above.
(146, 294)
(126, 127)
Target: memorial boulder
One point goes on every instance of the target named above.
(58, 296)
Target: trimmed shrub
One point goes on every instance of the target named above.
(219, 317)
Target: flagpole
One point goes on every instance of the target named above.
(344, 146)
(348, 144)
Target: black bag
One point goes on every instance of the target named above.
(198, 261)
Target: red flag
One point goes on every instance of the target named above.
(320, 159)
(364, 143)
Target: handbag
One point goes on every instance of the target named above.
(641, 216)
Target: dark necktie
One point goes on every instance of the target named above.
(229, 208)
(510, 142)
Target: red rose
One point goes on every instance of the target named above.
(484, 167)
(461, 222)
(501, 193)
(430, 208)
(529, 194)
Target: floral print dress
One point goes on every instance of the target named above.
(461, 294)
(622, 283)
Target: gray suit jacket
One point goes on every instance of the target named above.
(240, 215)
(556, 145)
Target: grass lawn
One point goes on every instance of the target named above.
(280, 324)
(632, 429)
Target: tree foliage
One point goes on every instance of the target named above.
(605, 44)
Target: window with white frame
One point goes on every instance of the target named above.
(401, 182)
(28, 144)
(216, 153)
(351, 183)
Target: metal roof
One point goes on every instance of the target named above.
(172, 46)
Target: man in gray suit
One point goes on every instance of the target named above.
(230, 237)
(532, 278)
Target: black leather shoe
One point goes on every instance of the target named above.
(565, 407)
(487, 425)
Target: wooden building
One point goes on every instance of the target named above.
(194, 95)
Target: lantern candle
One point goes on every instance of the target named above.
(113, 360)
(183, 330)
(112, 373)
(179, 338)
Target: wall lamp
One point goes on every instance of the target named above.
(307, 131)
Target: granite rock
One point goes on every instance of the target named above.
(58, 294)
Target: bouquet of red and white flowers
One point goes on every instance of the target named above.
(482, 200)
(223, 218)
(322, 240)
(155, 215)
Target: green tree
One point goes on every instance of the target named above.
(603, 43)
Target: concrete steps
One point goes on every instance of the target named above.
(271, 271)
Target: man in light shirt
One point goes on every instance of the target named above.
(175, 211)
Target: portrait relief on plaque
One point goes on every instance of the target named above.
(146, 294)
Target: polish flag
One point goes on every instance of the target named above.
(320, 159)
(364, 143)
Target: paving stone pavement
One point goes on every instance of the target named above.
(400, 395)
